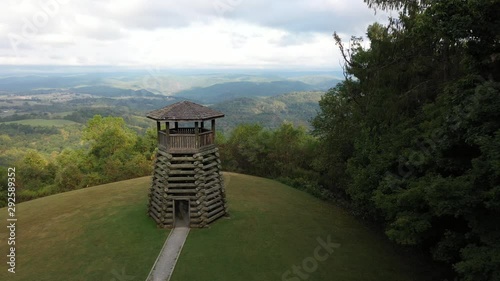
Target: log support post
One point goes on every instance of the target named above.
(158, 129)
(196, 135)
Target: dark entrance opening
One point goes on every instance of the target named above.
(181, 213)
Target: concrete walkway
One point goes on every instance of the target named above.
(165, 263)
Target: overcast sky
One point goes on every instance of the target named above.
(180, 34)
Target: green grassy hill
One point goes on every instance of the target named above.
(103, 233)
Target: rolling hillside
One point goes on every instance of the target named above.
(298, 108)
(43, 122)
(227, 91)
(102, 233)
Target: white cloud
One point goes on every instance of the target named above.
(167, 33)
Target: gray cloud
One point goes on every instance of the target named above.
(132, 31)
(154, 14)
(325, 16)
(293, 39)
(345, 16)
(302, 16)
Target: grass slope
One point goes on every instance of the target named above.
(103, 233)
(274, 227)
(97, 233)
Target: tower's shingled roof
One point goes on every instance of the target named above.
(184, 111)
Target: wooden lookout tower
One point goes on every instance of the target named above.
(187, 186)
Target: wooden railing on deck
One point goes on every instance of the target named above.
(184, 139)
(206, 138)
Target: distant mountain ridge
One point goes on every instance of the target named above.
(205, 88)
(231, 90)
(106, 91)
(33, 82)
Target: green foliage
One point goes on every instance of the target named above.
(335, 126)
(406, 6)
(245, 149)
(309, 187)
(47, 123)
(107, 136)
(286, 153)
(17, 127)
(411, 136)
(33, 171)
(69, 175)
(29, 194)
(116, 152)
(17, 139)
(84, 114)
(297, 108)
(147, 143)
(111, 152)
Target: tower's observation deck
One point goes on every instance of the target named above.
(185, 139)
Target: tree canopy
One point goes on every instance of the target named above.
(412, 136)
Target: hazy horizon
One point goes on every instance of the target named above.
(19, 70)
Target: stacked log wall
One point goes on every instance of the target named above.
(194, 177)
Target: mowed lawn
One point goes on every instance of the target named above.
(97, 233)
(44, 122)
(274, 233)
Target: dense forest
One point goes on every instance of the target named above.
(409, 140)
(412, 136)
